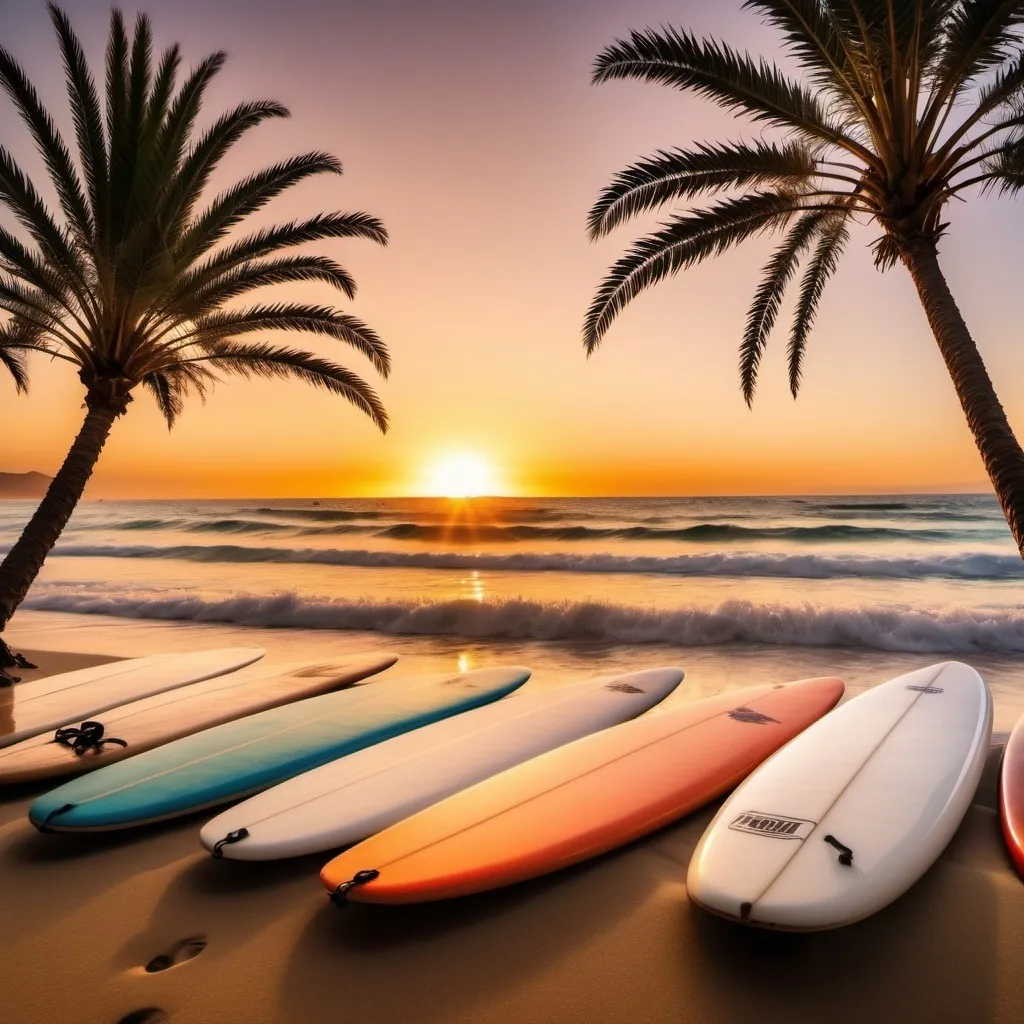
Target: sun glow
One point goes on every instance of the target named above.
(461, 476)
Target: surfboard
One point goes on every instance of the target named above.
(1011, 795)
(356, 796)
(43, 705)
(579, 800)
(849, 815)
(143, 724)
(240, 758)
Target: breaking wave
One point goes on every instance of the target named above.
(887, 628)
(976, 565)
(720, 532)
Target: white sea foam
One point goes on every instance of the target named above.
(889, 627)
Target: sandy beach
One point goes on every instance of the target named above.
(551, 430)
(612, 940)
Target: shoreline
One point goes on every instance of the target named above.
(611, 940)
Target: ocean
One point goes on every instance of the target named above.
(746, 588)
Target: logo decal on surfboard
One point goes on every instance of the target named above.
(751, 716)
(775, 826)
(623, 688)
(926, 689)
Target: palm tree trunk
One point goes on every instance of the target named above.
(1000, 451)
(25, 559)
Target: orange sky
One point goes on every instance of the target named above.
(473, 131)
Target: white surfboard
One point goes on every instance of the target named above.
(27, 709)
(847, 816)
(358, 795)
(140, 725)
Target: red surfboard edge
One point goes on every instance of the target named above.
(1011, 795)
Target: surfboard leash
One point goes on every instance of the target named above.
(339, 897)
(232, 837)
(43, 825)
(86, 738)
(845, 853)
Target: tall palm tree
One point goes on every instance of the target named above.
(135, 283)
(903, 106)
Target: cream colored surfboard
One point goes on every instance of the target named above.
(43, 705)
(144, 724)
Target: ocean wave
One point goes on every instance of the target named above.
(973, 565)
(427, 514)
(324, 515)
(887, 628)
(868, 506)
(228, 526)
(492, 532)
(134, 524)
(719, 532)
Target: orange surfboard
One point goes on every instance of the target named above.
(579, 800)
(1011, 795)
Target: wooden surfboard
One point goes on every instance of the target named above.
(580, 800)
(1011, 795)
(42, 705)
(849, 815)
(143, 724)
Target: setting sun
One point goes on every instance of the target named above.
(461, 476)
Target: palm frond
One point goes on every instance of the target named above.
(979, 36)
(709, 68)
(211, 328)
(117, 99)
(682, 242)
(86, 114)
(263, 360)
(245, 198)
(821, 267)
(171, 385)
(176, 129)
(169, 400)
(22, 199)
(202, 160)
(14, 362)
(1004, 167)
(260, 274)
(674, 174)
(51, 146)
(1003, 95)
(764, 310)
(820, 45)
(163, 89)
(31, 305)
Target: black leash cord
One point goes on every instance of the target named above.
(86, 738)
(339, 895)
(845, 853)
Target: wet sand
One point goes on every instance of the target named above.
(612, 940)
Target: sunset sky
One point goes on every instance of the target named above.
(471, 128)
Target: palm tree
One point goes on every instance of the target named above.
(136, 283)
(904, 105)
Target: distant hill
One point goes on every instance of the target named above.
(23, 485)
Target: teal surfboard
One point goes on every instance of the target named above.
(239, 758)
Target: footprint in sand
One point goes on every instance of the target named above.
(149, 1015)
(184, 949)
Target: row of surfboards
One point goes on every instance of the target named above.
(450, 784)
